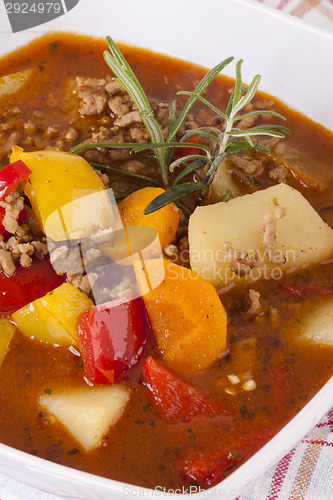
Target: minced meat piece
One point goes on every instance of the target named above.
(119, 106)
(128, 119)
(255, 307)
(7, 264)
(92, 95)
(241, 263)
(84, 282)
(13, 205)
(278, 173)
(268, 229)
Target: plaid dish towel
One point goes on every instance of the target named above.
(318, 12)
(305, 473)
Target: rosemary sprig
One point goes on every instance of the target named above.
(125, 76)
(118, 171)
(223, 143)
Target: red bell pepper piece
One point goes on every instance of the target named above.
(299, 289)
(209, 468)
(27, 284)
(21, 218)
(11, 176)
(112, 338)
(175, 399)
(181, 151)
(280, 385)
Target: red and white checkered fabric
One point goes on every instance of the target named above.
(318, 12)
(305, 473)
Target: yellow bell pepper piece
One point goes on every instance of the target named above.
(36, 322)
(54, 317)
(66, 303)
(7, 330)
(66, 186)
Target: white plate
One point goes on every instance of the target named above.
(294, 60)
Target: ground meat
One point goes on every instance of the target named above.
(6, 262)
(128, 119)
(249, 165)
(13, 205)
(139, 134)
(71, 134)
(255, 307)
(104, 178)
(264, 104)
(41, 248)
(278, 173)
(7, 142)
(241, 263)
(113, 87)
(97, 96)
(125, 287)
(268, 229)
(119, 106)
(20, 248)
(84, 282)
(280, 212)
(25, 260)
(136, 167)
(92, 95)
(247, 122)
(66, 260)
(126, 126)
(183, 243)
(268, 142)
(91, 255)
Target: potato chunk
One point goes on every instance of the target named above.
(300, 238)
(222, 183)
(87, 413)
(316, 326)
(10, 84)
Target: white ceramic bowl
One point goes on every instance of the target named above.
(293, 59)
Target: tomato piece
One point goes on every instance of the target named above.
(175, 399)
(301, 289)
(208, 469)
(21, 218)
(27, 284)
(112, 337)
(11, 176)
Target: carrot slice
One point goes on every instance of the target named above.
(187, 317)
(165, 220)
